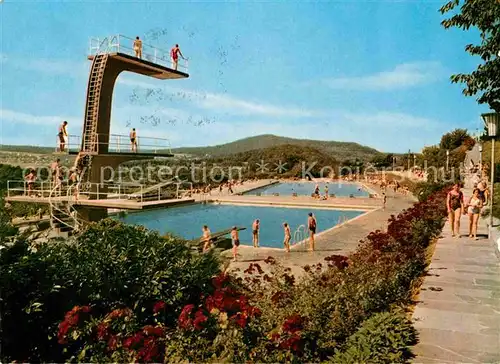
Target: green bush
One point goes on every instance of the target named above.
(109, 265)
(383, 338)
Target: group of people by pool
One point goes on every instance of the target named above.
(207, 239)
(456, 205)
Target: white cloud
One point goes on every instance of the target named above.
(402, 76)
(24, 118)
(394, 120)
(45, 65)
(227, 104)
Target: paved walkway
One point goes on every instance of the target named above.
(340, 240)
(458, 314)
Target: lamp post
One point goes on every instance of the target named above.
(393, 163)
(481, 160)
(409, 155)
(492, 121)
(447, 160)
(414, 161)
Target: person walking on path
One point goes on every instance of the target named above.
(133, 140)
(236, 242)
(288, 237)
(255, 233)
(483, 191)
(138, 47)
(175, 52)
(474, 208)
(384, 199)
(206, 238)
(455, 205)
(63, 136)
(311, 224)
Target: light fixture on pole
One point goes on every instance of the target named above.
(409, 154)
(492, 121)
(481, 160)
(447, 160)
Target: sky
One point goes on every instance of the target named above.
(372, 72)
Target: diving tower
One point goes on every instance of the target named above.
(97, 149)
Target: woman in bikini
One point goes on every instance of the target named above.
(311, 223)
(455, 205)
(474, 208)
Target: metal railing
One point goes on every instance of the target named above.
(64, 191)
(115, 143)
(123, 44)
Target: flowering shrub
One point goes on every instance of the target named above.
(110, 265)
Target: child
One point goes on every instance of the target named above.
(236, 242)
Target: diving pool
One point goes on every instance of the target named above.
(187, 221)
(340, 189)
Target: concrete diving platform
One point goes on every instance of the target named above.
(120, 204)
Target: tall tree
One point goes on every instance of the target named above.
(485, 16)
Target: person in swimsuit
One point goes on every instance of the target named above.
(473, 209)
(207, 241)
(30, 179)
(483, 191)
(133, 140)
(236, 242)
(55, 167)
(455, 205)
(326, 192)
(384, 199)
(63, 136)
(255, 233)
(288, 237)
(174, 54)
(311, 223)
(138, 47)
(316, 191)
(73, 182)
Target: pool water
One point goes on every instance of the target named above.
(187, 221)
(307, 188)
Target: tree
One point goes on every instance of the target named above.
(454, 139)
(485, 16)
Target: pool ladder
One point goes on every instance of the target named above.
(299, 234)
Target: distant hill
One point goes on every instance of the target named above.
(339, 150)
(26, 149)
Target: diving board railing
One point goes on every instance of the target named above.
(115, 143)
(123, 44)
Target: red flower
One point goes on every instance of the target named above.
(220, 280)
(293, 324)
(128, 342)
(240, 319)
(185, 316)
(153, 330)
(159, 306)
(120, 312)
(103, 331)
(199, 320)
(112, 343)
(293, 343)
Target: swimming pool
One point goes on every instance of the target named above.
(187, 221)
(307, 188)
